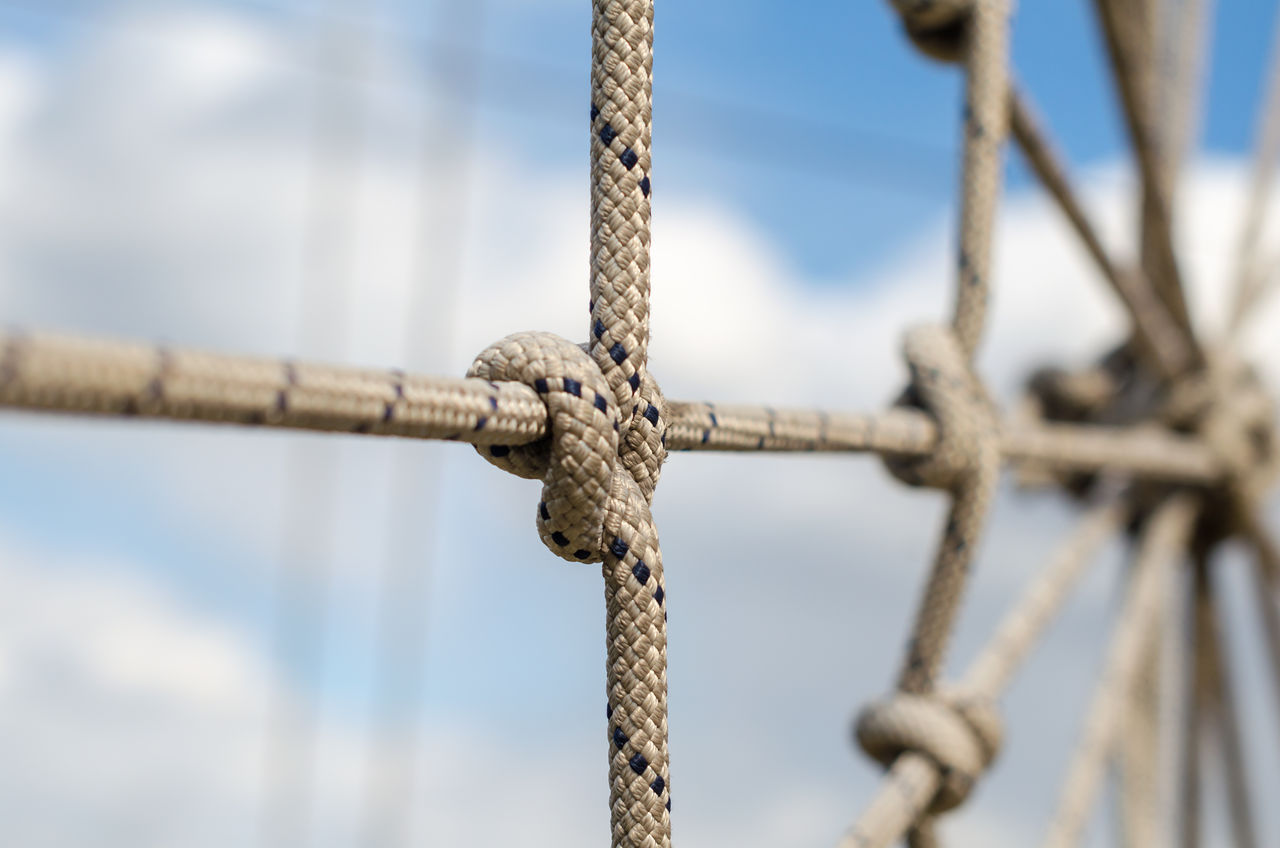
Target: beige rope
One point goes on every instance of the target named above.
(1266, 591)
(1126, 29)
(960, 733)
(964, 462)
(975, 31)
(1196, 714)
(56, 373)
(1167, 533)
(1182, 35)
(1139, 747)
(1159, 337)
(1225, 711)
(913, 780)
(1251, 281)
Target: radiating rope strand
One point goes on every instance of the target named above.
(913, 780)
(1160, 338)
(1184, 34)
(1266, 573)
(1251, 278)
(1123, 27)
(1167, 533)
(1195, 716)
(1225, 712)
(1139, 749)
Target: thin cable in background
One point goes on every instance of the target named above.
(309, 514)
(818, 149)
(395, 735)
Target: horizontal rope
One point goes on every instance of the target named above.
(57, 373)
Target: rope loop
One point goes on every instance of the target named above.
(944, 387)
(590, 461)
(959, 731)
(938, 28)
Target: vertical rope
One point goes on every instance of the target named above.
(1140, 748)
(621, 115)
(985, 127)
(1225, 712)
(1195, 696)
(1125, 26)
(1183, 33)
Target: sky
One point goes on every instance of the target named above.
(213, 636)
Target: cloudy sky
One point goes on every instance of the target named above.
(213, 636)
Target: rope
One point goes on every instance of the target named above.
(1125, 29)
(1225, 711)
(975, 31)
(1139, 754)
(1251, 282)
(54, 373)
(1159, 337)
(1183, 33)
(1167, 532)
(965, 463)
(913, 781)
(1197, 710)
(1266, 592)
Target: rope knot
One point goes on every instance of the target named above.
(943, 386)
(598, 466)
(1231, 410)
(938, 28)
(961, 732)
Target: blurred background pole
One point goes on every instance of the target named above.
(395, 756)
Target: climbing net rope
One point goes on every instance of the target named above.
(1167, 438)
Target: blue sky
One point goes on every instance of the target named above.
(817, 118)
(155, 182)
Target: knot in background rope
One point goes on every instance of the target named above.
(960, 732)
(598, 467)
(937, 27)
(943, 385)
(1232, 411)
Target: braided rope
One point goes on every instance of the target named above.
(1251, 281)
(1158, 336)
(975, 32)
(54, 373)
(1167, 533)
(1127, 32)
(913, 781)
(621, 115)
(1225, 711)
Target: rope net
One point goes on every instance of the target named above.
(1166, 438)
